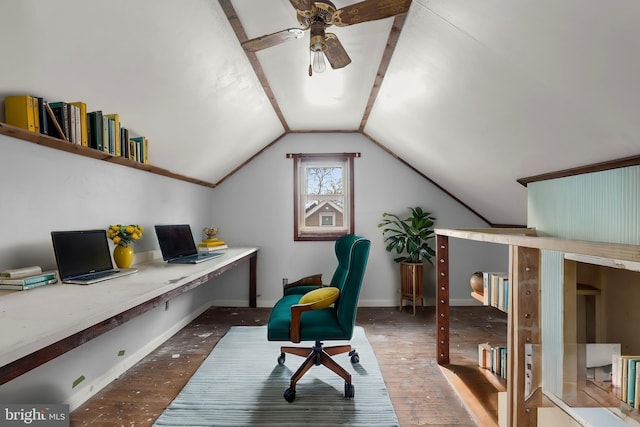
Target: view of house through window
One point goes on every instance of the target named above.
(323, 195)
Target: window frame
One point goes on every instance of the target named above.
(322, 233)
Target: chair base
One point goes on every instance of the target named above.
(319, 355)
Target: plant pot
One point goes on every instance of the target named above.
(123, 256)
(411, 283)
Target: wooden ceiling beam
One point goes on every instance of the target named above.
(392, 41)
(238, 29)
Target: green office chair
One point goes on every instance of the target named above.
(300, 316)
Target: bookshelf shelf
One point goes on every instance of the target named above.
(59, 144)
(477, 296)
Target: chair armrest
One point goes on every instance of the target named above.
(296, 314)
(313, 280)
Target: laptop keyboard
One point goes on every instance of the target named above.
(97, 275)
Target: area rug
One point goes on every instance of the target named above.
(241, 384)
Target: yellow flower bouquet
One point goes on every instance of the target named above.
(124, 235)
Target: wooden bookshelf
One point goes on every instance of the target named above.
(59, 144)
(524, 325)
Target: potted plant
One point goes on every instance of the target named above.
(409, 239)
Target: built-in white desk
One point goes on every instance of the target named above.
(41, 324)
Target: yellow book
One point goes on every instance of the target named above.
(116, 136)
(19, 111)
(145, 143)
(36, 114)
(84, 133)
(210, 245)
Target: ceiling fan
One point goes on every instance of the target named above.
(317, 16)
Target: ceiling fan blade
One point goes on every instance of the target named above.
(271, 40)
(369, 10)
(303, 7)
(335, 53)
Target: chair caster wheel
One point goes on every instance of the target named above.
(290, 394)
(349, 391)
(281, 359)
(355, 357)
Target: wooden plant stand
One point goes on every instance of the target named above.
(411, 283)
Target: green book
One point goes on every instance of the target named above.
(25, 281)
(94, 126)
(27, 287)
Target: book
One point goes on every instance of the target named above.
(117, 149)
(112, 137)
(636, 402)
(27, 287)
(61, 112)
(73, 125)
(484, 355)
(124, 142)
(44, 276)
(106, 147)
(132, 150)
(505, 307)
(631, 381)
(36, 114)
(210, 240)
(94, 128)
(204, 244)
(17, 273)
(42, 116)
(489, 286)
(84, 132)
(53, 122)
(624, 376)
(142, 146)
(204, 249)
(19, 111)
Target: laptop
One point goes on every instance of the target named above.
(177, 245)
(83, 257)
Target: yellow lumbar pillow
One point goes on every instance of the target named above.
(321, 297)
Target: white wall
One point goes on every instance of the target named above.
(255, 206)
(45, 189)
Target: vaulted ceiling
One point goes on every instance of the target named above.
(471, 94)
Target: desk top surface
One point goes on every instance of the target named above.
(42, 316)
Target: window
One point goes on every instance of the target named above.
(323, 195)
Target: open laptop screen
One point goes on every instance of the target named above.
(81, 252)
(175, 241)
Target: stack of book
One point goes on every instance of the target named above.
(625, 378)
(22, 279)
(496, 289)
(211, 245)
(493, 358)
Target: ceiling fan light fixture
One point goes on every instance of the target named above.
(319, 65)
(318, 45)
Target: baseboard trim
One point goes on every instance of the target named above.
(361, 303)
(115, 371)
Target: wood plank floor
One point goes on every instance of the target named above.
(404, 345)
